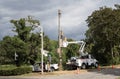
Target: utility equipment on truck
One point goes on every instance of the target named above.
(84, 60)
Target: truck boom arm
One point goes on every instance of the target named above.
(82, 45)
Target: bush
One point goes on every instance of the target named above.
(15, 71)
(116, 60)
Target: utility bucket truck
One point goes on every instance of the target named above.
(84, 60)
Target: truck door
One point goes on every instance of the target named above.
(90, 60)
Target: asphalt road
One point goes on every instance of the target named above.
(90, 74)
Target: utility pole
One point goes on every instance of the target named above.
(59, 41)
(42, 69)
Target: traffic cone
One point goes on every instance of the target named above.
(78, 70)
(112, 66)
(98, 68)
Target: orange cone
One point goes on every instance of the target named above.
(112, 66)
(98, 68)
(77, 71)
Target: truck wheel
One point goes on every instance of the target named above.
(83, 66)
(96, 65)
(52, 69)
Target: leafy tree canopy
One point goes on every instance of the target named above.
(104, 33)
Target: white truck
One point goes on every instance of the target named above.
(46, 67)
(54, 67)
(86, 61)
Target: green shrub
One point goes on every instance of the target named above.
(7, 67)
(116, 60)
(15, 71)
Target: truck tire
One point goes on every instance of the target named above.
(52, 69)
(83, 66)
(96, 65)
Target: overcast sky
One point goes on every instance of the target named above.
(74, 14)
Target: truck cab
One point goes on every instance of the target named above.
(86, 61)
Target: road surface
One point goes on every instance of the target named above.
(90, 74)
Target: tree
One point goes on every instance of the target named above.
(46, 43)
(24, 27)
(104, 33)
(10, 46)
(34, 46)
(53, 51)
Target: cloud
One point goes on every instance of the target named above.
(74, 14)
